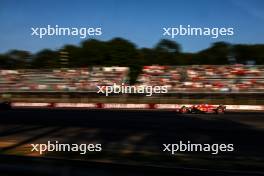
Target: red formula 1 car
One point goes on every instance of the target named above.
(203, 108)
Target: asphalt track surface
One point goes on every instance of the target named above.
(132, 141)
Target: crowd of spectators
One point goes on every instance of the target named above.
(194, 78)
(205, 78)
(81, 79)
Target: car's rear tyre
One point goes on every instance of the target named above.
(220, 111)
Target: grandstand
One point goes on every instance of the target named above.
(65, 80)
(205, 78)
(194, 78)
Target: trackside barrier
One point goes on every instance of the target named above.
(30, 105)
(75, 105)
(245, 107)
(125, 106)
(170, 106)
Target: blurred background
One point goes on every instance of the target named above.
(213, 73)
(37, 74)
